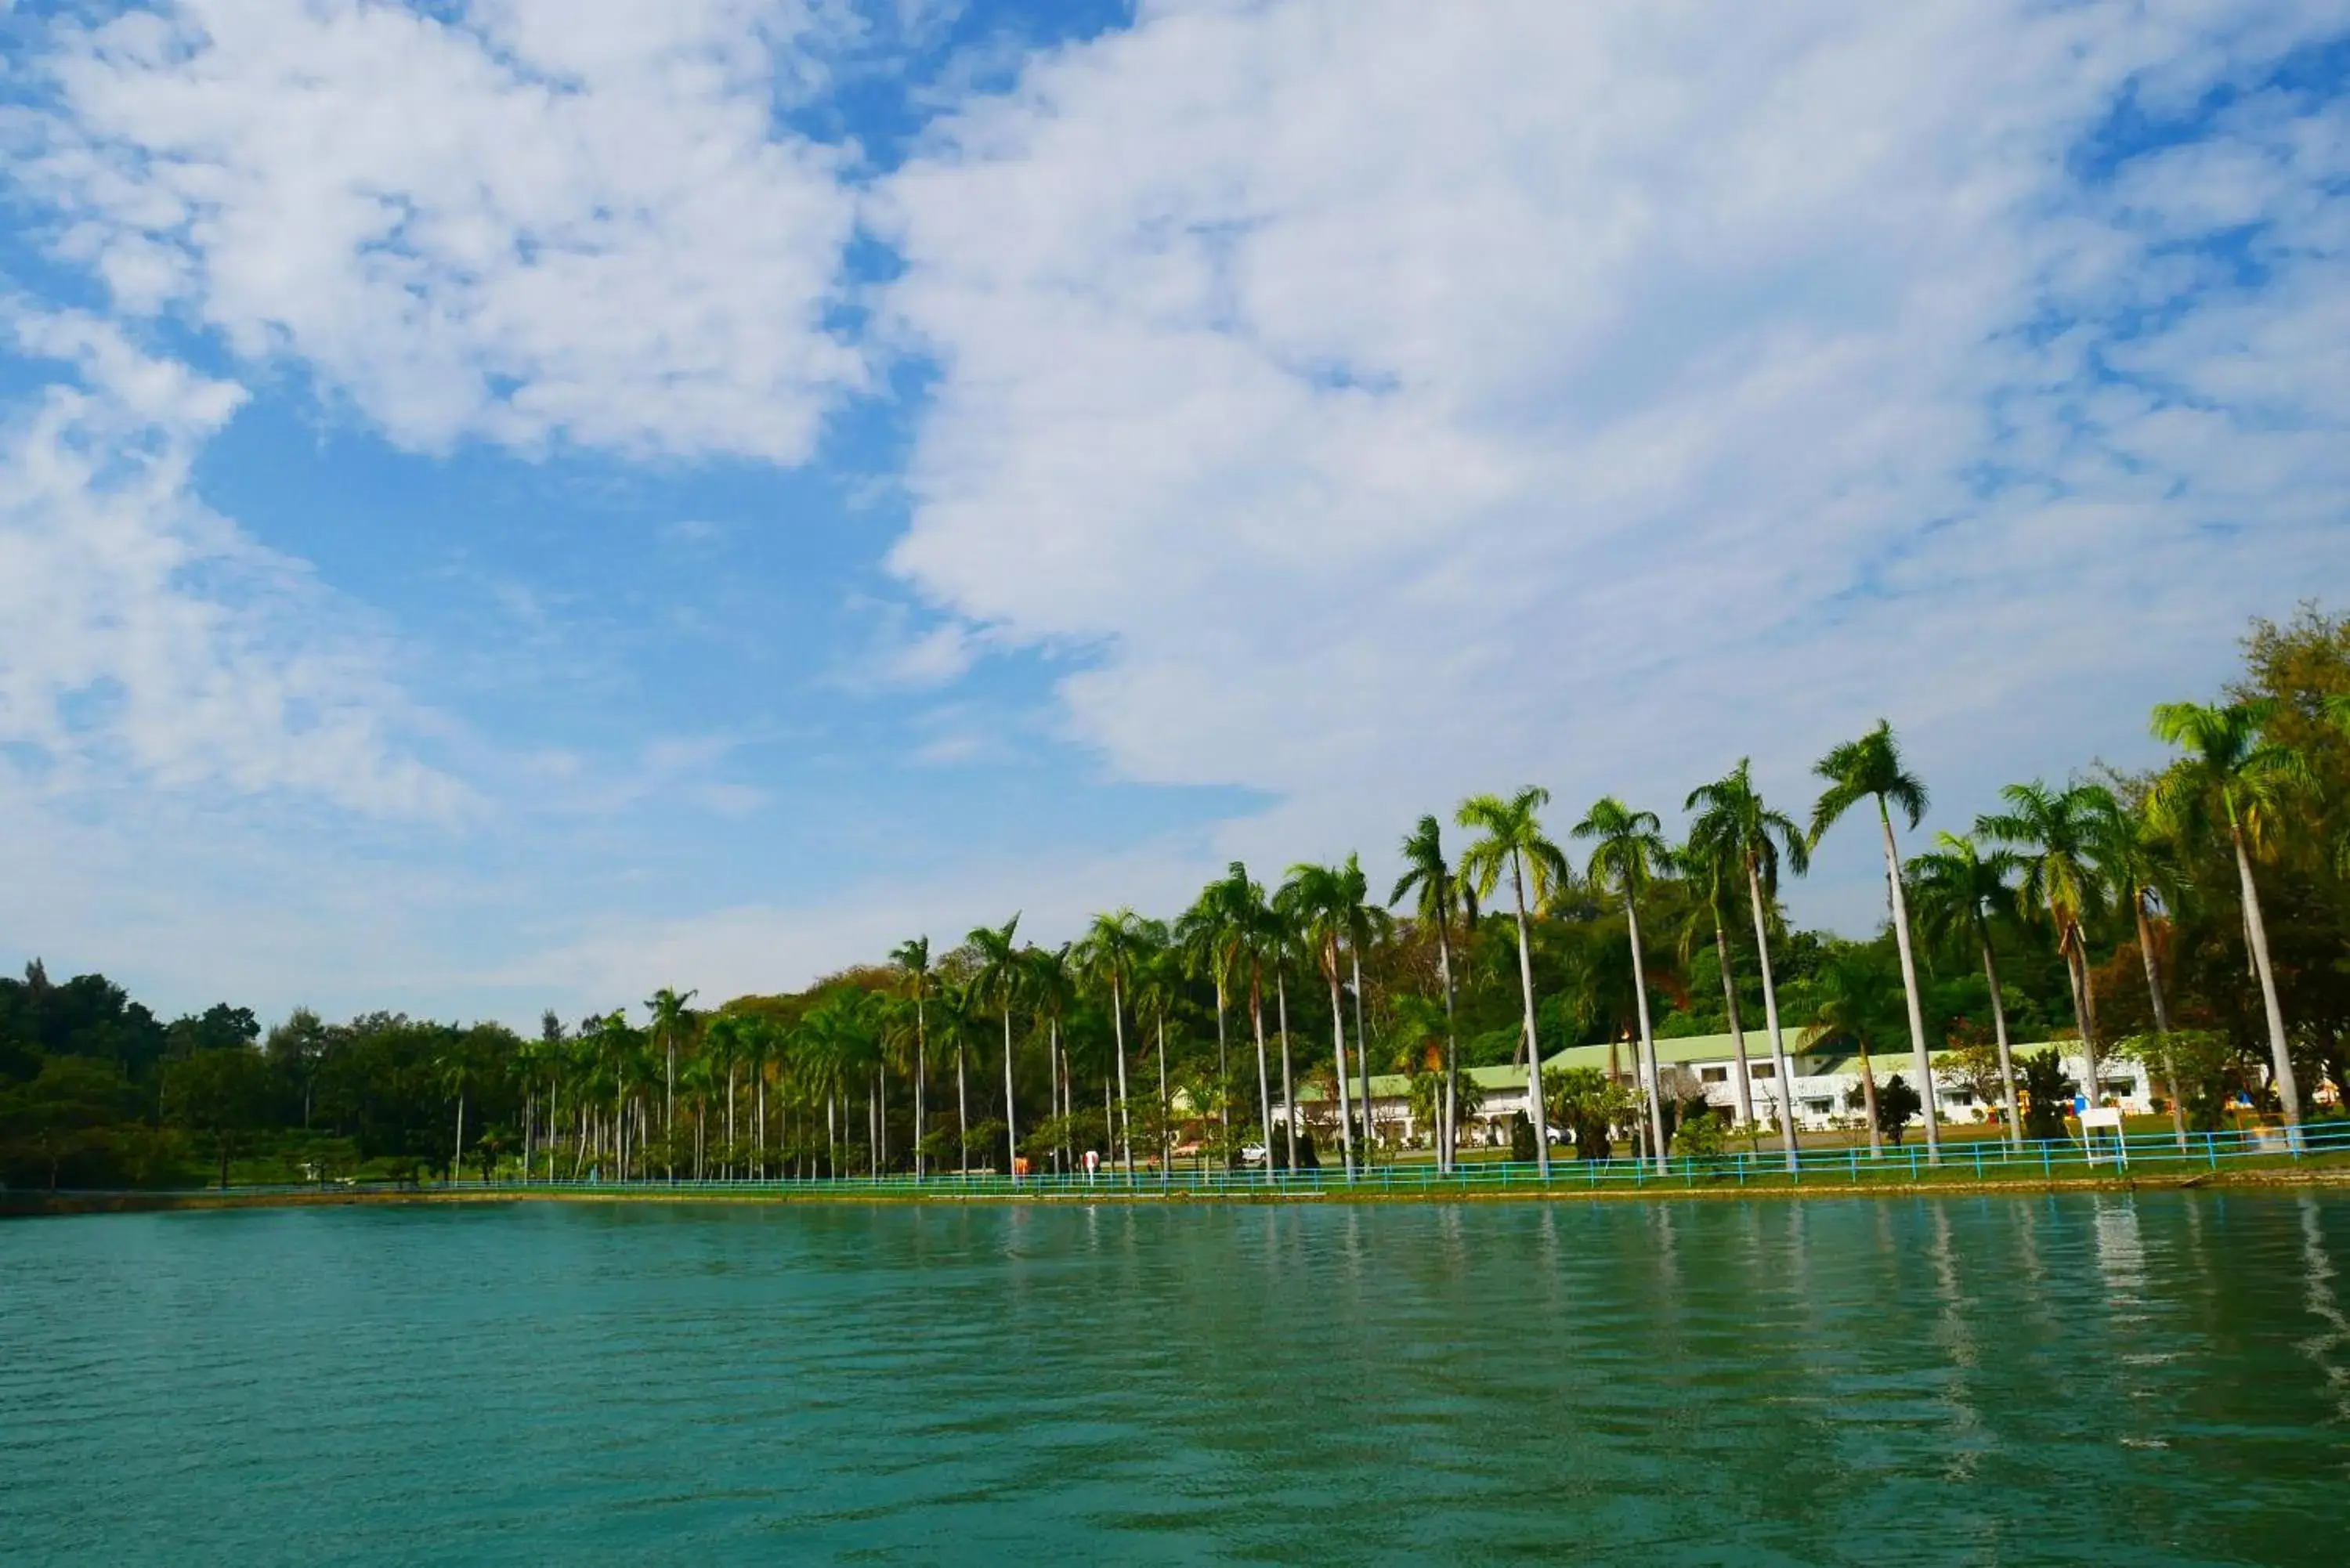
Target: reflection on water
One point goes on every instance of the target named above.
(2095, 1378)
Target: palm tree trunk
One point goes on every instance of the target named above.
(1263, 1080)
(1869, 1104)
(1534, 1110)
(2161, 1016)
(1223, 1071)
(456, 1154)
(1125, 1122)
(1920, 1062)
(1011, 1114)
(1999, 1028)
(1288, 1083)
(1338, 1050)
(2256, 928)
(1647, 1036)
(1780, 1069)
(669, 1107)
(962, 1110)
(882, 1117)
(922, 1083)
(1166, 1109)
(1362, 1055)
(1448, 1134)
(2077, 975)
(1737, 1031)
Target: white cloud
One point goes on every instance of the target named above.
(1409, 400)
(550, 219)
(142, 634)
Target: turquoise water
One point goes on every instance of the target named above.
(2085, 1378)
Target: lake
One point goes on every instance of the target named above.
(2093, 1379)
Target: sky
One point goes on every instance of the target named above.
(512, 503)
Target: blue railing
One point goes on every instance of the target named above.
(1980, 1158)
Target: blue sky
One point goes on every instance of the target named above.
(513, 504)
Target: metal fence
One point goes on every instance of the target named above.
(1983, 1159)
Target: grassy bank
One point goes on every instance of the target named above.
(2320, 1172)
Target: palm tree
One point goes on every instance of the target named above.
(1366, 923)
(2057, 831)
(671, 1018)
(1210, 945)
(458, 1072)
(1870, 768)
(1255, 931)
(913, 958)
(1283, 936)
(2140, 866)
(1850, 1000)
(1052, 992)
(1960, 892)
(1713, 867)
(1000, 978)
(1732, 816)
(1158, 983)
(2230, 763)
(1513, 840)
(1441, 898)
(1315, 898)
(727, 1040)
(1628, 849)
(1112, 947)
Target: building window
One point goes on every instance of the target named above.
(1763, 1070)
(1817, 1107)
(1713, 1075)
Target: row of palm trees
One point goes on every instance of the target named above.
(2052, 858)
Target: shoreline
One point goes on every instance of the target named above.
(21, 1205)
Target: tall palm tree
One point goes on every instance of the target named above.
(1114, 945)
(1158, 983)
(1712, 866)
(671, 1018)
(2230, 764)
(1366, 923)
(1870, 769)
(1286, 941)
(1255, 933)
(999, 982)
(2140, 866)
(728, 1044)
(1052, 993)
(914, 958)
(1315, 898)
(1960, 892)
(1441, 901)
(1628, 849)
(2055, 834)
(1733, 816)
(1513, 840)
(1210, 940)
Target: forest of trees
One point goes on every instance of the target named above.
(2196, 916)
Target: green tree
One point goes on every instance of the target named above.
(913, 959)
(1960, 892)
(1870, 769)
(2047, 1096)
(1512, 840)
(1852, 1000)
(2140, 866)
(671, 1019)
(221, 1094)
(2235, 779)
(1732, 818)
(1000, 982)
(1440, 900)
(2057, 831)
(1588, 1105)
(1629, 850)
(1318, 898)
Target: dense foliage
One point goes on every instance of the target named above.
(2112, 906)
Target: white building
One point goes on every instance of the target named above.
(1821, 1083)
